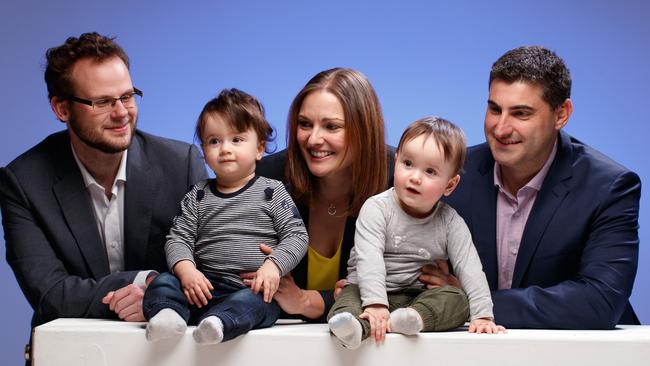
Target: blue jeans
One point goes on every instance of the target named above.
(239, 309)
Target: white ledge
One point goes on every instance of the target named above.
(72, 342)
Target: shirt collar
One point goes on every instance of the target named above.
(538, 179)
(90, 180)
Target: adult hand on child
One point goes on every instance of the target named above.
(291, 298)
(248, 277)
(267, 278)
(378, 317)
(287, 291)
(196, 287)
(438, 275)
(126, 302)
(485, 325)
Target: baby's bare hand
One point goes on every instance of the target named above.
(485, 325)
(196, 287)
(378, 316)
(267, 278)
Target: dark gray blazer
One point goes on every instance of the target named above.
(52, 241)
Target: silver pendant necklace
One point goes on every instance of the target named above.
(331, 210)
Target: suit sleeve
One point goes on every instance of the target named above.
(49, 288)
(196, 167)
(597, 296)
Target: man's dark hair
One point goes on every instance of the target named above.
(537, 65)
(61, 59)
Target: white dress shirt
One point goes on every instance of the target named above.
(109, 216)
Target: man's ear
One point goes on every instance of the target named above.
(452, 184)
(562, 114)
(61, 109)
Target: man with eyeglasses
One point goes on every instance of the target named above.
(86, 211)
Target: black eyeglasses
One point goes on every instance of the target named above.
(128, 100)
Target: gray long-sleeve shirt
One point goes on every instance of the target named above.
(391, 247)
(221, 233)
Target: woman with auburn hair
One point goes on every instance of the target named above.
(336, 158)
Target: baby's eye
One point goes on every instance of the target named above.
(408, 163)
(237, 139)
(431, 171)
(214, 141)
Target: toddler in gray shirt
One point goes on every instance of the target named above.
(401, 230)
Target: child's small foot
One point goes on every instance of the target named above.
(347, 329)
(209, 331)
(406, 321)
(166, 324)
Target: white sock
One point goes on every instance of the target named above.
(406, 321)
(166, 324)
(209, 331)
(347, 329)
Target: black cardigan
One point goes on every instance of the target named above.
(272, 166)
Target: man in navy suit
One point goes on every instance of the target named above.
(554, 221)
(86, 211)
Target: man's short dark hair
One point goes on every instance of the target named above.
(61, 59)
(537, 65)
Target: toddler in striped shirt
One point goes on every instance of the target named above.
(217, 232)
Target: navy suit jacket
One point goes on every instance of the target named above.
(53, 245)
(579, 250)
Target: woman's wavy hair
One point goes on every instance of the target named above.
(364, 134)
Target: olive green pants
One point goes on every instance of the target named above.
(441, 308)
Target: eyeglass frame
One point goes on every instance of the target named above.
(91, 103)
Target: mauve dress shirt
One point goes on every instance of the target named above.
(512, 214)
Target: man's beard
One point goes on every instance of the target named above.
(95, 140)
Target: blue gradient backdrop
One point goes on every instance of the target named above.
(423, 58)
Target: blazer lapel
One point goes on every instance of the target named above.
(71, 194)
(483, 197)
(549, 198)
(141, 183)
